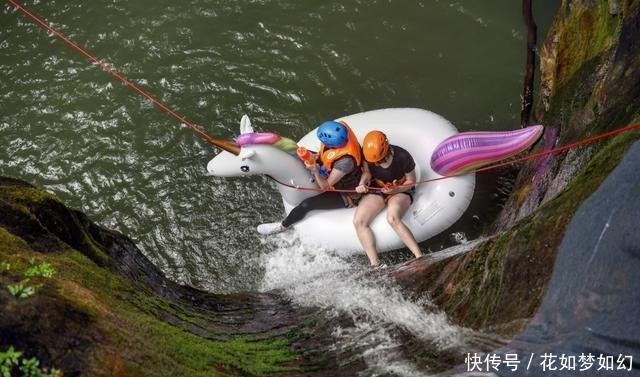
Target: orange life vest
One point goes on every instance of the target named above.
(351, 148)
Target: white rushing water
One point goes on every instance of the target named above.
(378, 308)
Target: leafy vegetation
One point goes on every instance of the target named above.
(21, 290)
(43, 269)
(12, 363)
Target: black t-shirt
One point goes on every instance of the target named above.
(401, 164)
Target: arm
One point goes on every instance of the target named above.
(365, 179)
(325, 183)
(333, 178)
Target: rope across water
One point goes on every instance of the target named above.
(498, 165)
(234, 148)
(225, 144)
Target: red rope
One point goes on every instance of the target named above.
(111, 71)
(213, 139)
(495, 166)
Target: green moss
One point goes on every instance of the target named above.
(9, 243)
(165, 350)
(28, 194)
(486, 280)
(471, 282)
(602, 163)
(587, 32)
(93, 249)
(151, 346)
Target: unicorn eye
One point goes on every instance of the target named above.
(244, 168)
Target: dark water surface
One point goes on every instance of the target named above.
(70, 127)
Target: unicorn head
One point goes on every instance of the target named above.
(266, 153)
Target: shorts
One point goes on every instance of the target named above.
(386, 197)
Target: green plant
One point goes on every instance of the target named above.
(43, 269)
(12, 360)
(21, 289)
(5, 266)
(7, 361)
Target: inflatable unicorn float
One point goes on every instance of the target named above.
(435, 144)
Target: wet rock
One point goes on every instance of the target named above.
(498, 284)
(108, 310)
(589, 85)
(593, 299)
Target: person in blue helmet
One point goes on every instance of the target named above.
(341, 157)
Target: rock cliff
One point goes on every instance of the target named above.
(590, 63)
(105, 310)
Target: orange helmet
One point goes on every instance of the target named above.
(375, 146)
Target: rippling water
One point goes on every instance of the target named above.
(72, 128)
(102, 148)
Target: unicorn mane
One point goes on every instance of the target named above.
(283, 143)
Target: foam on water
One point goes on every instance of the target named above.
(377, 307)
(382, 353)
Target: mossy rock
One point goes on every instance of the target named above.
(108, 311)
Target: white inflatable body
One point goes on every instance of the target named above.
(436, 206)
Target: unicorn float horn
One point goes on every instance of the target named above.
(230, 145)
(226, 145)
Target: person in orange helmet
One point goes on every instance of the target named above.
(391, 169)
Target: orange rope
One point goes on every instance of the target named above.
(216, 141)
(495, 166)
(112, 71)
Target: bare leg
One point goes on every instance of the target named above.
(396, 207)
(368, 208)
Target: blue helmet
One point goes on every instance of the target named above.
(333, 134)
